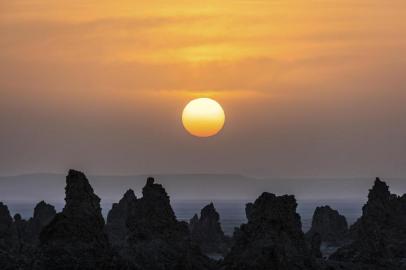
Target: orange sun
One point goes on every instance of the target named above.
(203, 117)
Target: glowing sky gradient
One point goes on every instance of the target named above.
(310, 88)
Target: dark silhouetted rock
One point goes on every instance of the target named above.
(6, 222)
(43, 215)
(157, 240)
(379, 236)
(20, 227)
(330, 227)
(75, 238)
(116, 227)
(315, 243)
(248, 210)
(271, 239)
(206, 231)
(13, 253)
(329, 224)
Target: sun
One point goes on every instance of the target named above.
(203, 117)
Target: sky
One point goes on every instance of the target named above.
(309, 88)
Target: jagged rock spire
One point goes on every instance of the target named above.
(6, 222)
(44, 213)
(156, 239)
(206, 231)
(116, 227)
(272, 237)
(329, 224)
(379, 236)
(75, 238)
(380, 191)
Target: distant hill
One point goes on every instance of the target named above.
(34, 187)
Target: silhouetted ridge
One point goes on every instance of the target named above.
(271, 239)
(379, 236)
(157, 240)
(329, 228)
(43, 215)
(9, 240)
(6, 223)
(75, 238)
(116, 227)
(206, 231)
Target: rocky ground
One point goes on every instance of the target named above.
(144, 234)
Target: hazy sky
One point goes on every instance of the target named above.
(309, 88)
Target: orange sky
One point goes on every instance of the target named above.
(308, 87)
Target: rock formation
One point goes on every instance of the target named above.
(13, 252)
(206, 231)
(6, 223)
(75, 238)
(271, 239)
(116, 227)
(8, 261)
(157, 240)
(43, 215)
(329, 224)
(315, 243)
(379, 236)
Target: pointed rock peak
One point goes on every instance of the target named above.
(80, 198)
(77, 186)
(380, 191)
(41, 204)
(209, 212)
(44, 211)
(329, 224)
(194, 220)
(129, 195)
(209, 207)
(5, 217)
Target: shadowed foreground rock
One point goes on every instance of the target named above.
(271, 239)
(379, 236)
(7, 259)
(329, 224)
(75, 238)
(43, 215)
(157, 240)
(329, 229)
(206, 231)
(6, 223)
(116, 227)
